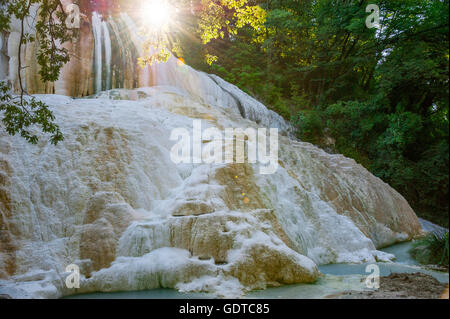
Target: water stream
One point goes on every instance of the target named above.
(336, 278)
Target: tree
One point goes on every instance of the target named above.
(381, 94)
(209, 19)
(22, 111)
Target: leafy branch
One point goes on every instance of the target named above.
(21, 112)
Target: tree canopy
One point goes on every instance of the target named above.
(381, 94)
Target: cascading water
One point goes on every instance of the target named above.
(102, 42)
(110, 199)
(3, 58)
(105, 33)
(96, 29)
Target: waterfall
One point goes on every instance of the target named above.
(107, 55)
(2, 73)
(102, 43)
(120, 52)
(96, 28)
(3, 59)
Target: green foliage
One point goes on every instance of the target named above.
(51, 56)
(282, 108)
(309, 125)
(19, 115)
(226, 17)
(381, 95)
(353, 122)
(210, 20)
(431, 249)
(20, 112)
(160, 53)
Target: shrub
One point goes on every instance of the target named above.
(431, 249)
(309, 125)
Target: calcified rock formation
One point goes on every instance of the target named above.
(109, 199)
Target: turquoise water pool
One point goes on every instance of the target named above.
(336, 278)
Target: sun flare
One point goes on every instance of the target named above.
(157, 13)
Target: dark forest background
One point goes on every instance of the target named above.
(377, 95)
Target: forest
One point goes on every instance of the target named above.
(377, 95)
